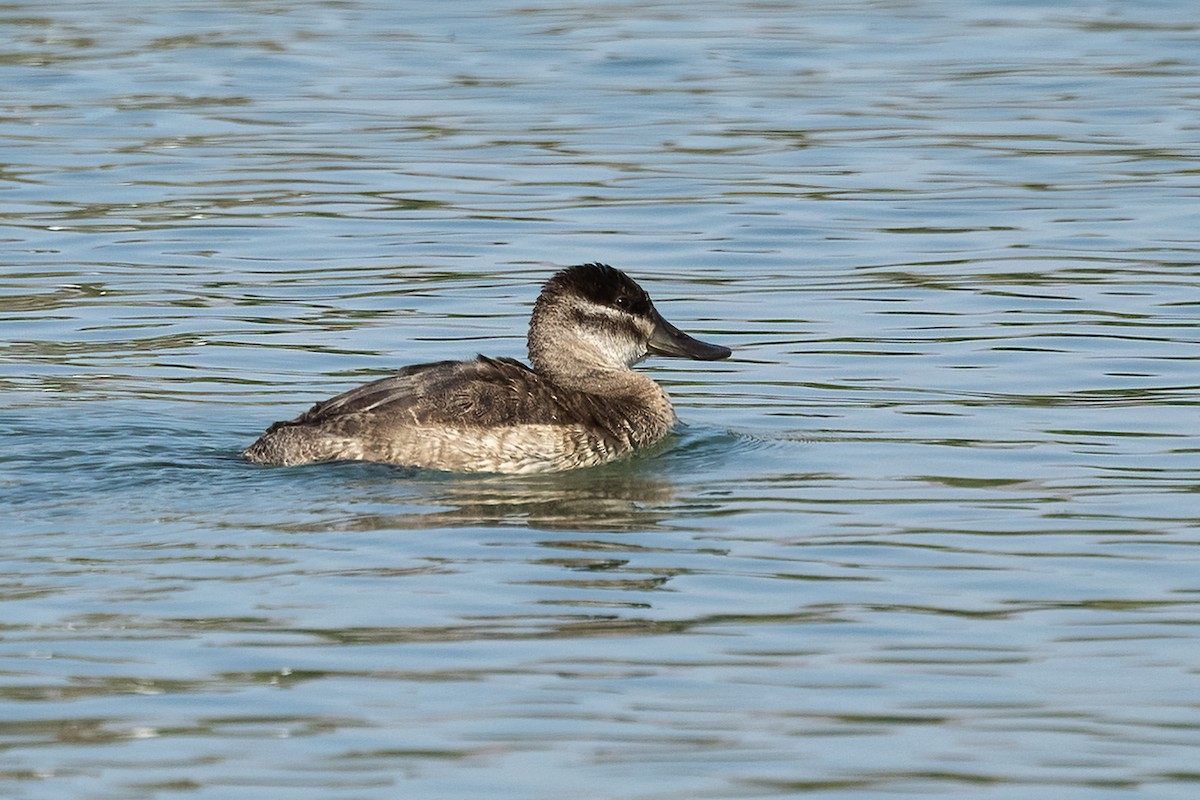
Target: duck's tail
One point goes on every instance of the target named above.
(288, 445)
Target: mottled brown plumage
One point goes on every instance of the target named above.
(579, 405)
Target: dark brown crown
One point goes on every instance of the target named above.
(603, 285)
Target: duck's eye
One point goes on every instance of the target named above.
(623, 303)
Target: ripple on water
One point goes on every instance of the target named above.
(932, 529)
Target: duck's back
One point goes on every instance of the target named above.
(485, 415)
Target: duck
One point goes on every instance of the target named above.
(577, 404)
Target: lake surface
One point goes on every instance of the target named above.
(932, 532)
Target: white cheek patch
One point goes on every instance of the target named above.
(614, 337)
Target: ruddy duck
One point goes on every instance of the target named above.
(580, 405)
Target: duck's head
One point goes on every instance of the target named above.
(594, 317)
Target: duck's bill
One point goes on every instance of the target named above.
(667, 340)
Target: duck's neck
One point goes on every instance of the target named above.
(566, 353)
(641, 411)
(593, 376)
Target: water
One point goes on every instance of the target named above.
(932, 532)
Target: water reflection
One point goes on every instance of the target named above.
(621, 497)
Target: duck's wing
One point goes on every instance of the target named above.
(405, 387)
(480, 393)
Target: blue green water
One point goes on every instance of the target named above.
(931, 532)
